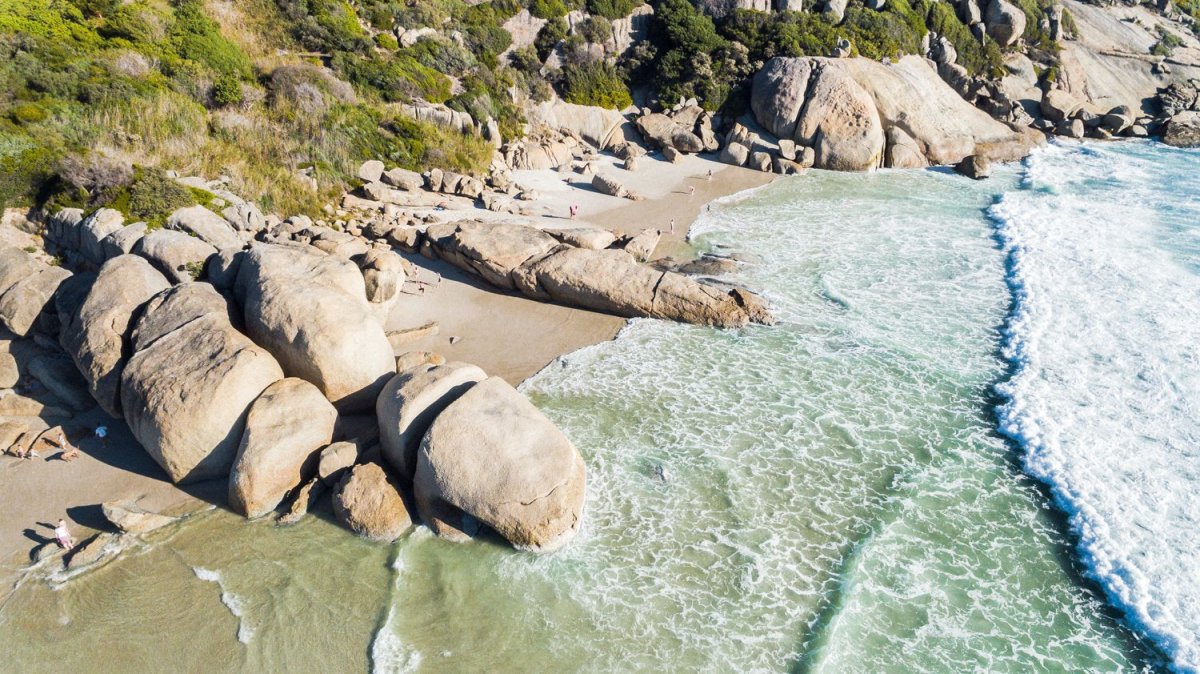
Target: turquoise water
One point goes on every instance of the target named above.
(835, 495)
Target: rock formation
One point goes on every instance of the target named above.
(96, 333)
(846, 111)
(286, 427)
(410, 402)
(369, 503)
(190, 382)
(533, 491)
(311, 312)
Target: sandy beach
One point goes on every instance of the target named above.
(505, 334)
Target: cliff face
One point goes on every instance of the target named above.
(1110, 63)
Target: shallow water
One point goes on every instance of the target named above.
(834, 494)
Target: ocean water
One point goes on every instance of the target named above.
(936, 462)
(1103, 247)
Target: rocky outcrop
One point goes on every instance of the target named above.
(491, 251)
(1005, 22)
(612, 281)
(27, 288)
(596, 126)
(205, 225)
(92, 232)
(410, 402)
(368, 502)
(179, 256)
(533, 491)
(441, 115)
(846, 110)
(686, 129)
(191, 379)
(286, 427)
(96, 332)
(1183, 130)
(132, 519)
(311, 312)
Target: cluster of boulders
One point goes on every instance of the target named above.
(1066, 115)
(685, 128)
(270, 369)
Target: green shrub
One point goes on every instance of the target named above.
(152, 197)
(198, 38)
(397, 78)
(596, 29)
(227, 91)
(549, 36)
(595, 84)
(547, 9)
(387, 41)
(613, 9)
(28, 113)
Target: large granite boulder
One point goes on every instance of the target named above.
(495, 457)
(190, 382)
(310, 311)
(122, 241)
(286, 428)
(383, 277)
(612, 281)
(492, 251)
(27, 288)
(1183, 130)
(204, 225)
(846, 110)
(411, 401)
(62, 229)
(598, 126)
(779, 91)
(96, 334)
(179, 256)
(369, 503)
(92, 232)
(1005, 22)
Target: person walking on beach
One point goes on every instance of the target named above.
(672, 225)
(102, 433)
(63, 535)
(574, 210)
(709, 175)
(691, 191)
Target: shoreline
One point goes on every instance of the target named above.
(504, 333)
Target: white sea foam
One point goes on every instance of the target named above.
(389, 654)
(231, 601)
(1105, 342)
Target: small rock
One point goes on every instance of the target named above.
(369, 503)
(336, 459)
(306, 497)
(974, 167)
(642, 246)
(371, 171)
(128, 517)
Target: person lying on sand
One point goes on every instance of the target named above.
(63, 535)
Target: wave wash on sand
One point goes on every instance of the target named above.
(1104, 267)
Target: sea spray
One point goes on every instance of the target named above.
(1103, 341)
(231, 601)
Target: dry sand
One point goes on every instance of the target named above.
(505, 334)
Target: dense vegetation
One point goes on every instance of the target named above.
(260, 90)
(177, 85)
